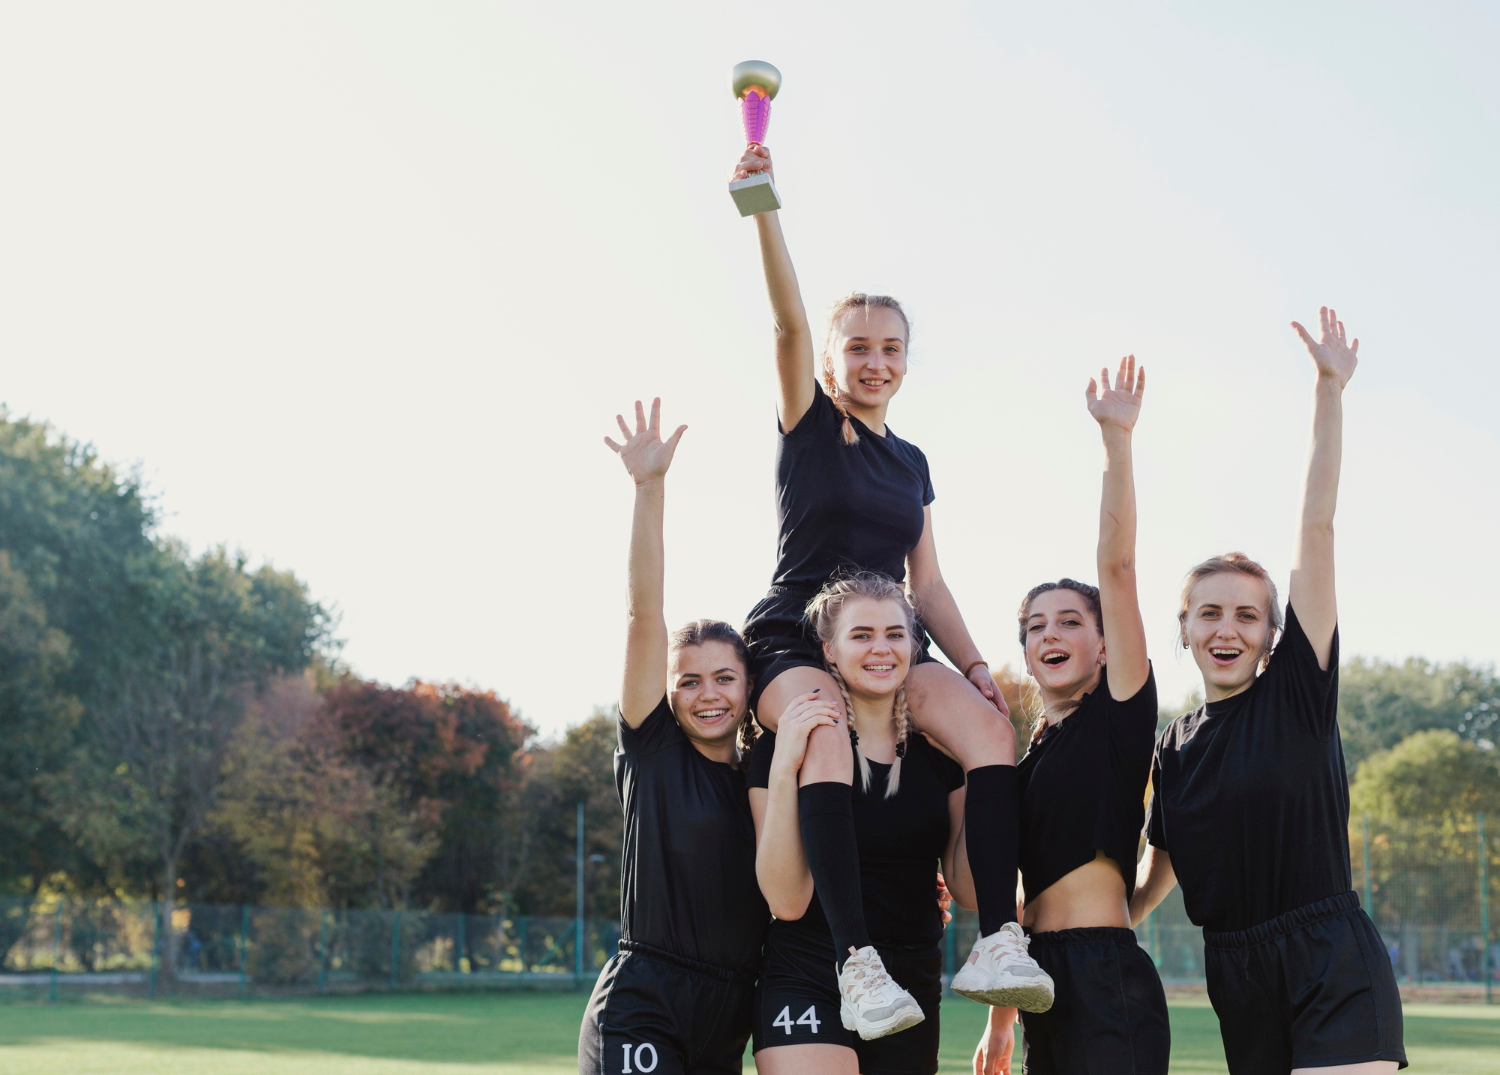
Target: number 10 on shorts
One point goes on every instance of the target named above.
(807, 1018)
(645, 1058)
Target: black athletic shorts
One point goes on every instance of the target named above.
(797, 1003)
(779, 636)
(1310, 988)
(658, 1014)
(1110, 1012)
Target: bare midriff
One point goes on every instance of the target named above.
(1092, 895)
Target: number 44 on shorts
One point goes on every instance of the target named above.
(807, 1018)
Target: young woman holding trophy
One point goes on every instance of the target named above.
(1083, 784)
(855, 497)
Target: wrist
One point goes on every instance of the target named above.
(652, 485)
(978, 662)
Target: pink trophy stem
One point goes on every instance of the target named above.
(755, 111)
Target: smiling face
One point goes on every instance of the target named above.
(867, 352)
(1227, 625)
(1064, 646)
(708, 691)
(871, 646)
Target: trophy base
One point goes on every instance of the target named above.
(755, 194)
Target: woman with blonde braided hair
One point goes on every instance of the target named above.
(908, 811)
(852, 496)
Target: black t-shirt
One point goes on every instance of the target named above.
(901, 843)
(1251, 798)
(1083, 787)
(687, 882)
(845, 505)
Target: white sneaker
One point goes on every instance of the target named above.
(1000, 972)
(870, 1002)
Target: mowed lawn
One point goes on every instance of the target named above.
(509, 1034)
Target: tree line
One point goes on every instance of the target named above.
(179, 728)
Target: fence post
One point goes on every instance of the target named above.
(578, 917)
(499, 940)
(155, 948)
(458, 956)
(322, 951)
(395, 948)
(1369, 901)
(244, 944)
(56, 950)
(1484, 912)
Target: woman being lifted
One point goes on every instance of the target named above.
(677, 996)
(853, 496)
(1083, 787)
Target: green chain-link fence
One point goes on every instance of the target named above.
(1429, 888)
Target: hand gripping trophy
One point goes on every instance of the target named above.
(755, 82)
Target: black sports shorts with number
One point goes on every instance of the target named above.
(653, 1013)
(1310, 988)
(797, 1003)
(779, 636)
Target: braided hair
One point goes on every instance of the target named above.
(824, 612)
(856, 300)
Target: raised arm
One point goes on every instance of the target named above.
(646, 457)
(795, 376)
(1312, 589)
(1116, 410)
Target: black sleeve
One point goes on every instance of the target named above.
(1132, 732)
(758, 775)
(657, 731)
(822, 417)
(1301, 689)
(928, 496)
(1156, 828)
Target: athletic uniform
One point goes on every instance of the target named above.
(839, 507)
(1083, 789)
(677, 997)
(901, 843)
(1252, 803)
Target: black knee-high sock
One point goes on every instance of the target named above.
(992, 815)
(825, 812)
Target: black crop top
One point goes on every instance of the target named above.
(901, 843)
(1083, 787)
(1252, 801)
(687, 883)
(845, 505)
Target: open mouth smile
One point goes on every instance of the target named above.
(710, 716)
(1224, 654)
(1055, 658)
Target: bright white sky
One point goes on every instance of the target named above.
(361, 286)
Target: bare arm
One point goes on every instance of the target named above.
(956, 872)
(795, 377)
(1116, 410)
(940, 615)
(646, 458)
(1154, 878)
(1312, 589)
(780, 862)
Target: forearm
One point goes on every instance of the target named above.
(940, 615)
(780, 863)
(956, 872)
(1154, 878)
(1325, 459)
(1117, 507)
(647, 570)
(781, 278)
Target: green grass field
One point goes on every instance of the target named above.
(509, 1034)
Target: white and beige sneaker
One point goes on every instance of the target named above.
(1000, 972)
(870, 1002)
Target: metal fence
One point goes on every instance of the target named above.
(1429, 889)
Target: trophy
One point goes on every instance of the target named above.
(755, 82)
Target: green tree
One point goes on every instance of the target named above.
(1383, 702)
(1431, 776)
